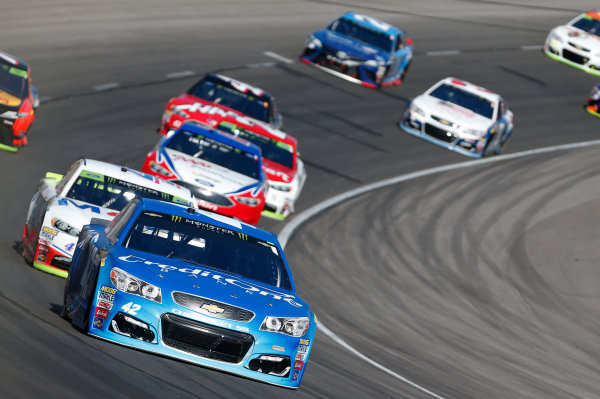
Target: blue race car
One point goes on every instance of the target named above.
(360, 49)
(194, 286)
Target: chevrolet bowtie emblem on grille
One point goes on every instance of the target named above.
(212, 308)
(445, 122)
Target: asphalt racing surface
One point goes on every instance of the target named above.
(479, 282)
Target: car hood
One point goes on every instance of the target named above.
(208, 175)
(176, 275)
(78, 213)
(278, 173)
(202, 110)
(354, 48)
(452, 112)
(579, 38)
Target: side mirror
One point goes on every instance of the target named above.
(36, 98)
(278, 121)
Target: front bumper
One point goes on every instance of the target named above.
(569, 55)
(173, 331)
(458, 145)
(245, 213)
(368, 76)
(279, 204)
(52, 257)
(592, 110)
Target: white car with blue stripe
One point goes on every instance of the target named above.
(460, 117)
(90, 189)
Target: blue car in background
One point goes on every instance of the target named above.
(194, 286)
(360, 49)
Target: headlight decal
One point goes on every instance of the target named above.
(248, 200)
(130, 284)
(158, 168)
(293, 326)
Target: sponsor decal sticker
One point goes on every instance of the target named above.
(305, 341)
(50, 231)
(46, 236)
(204, 273)
(106, 297)
(298, 365)
(108, 289)
(301, 357)
(296, 376)
(103, 313)
(278, 348)
(104, 304)
(42, 254)
(302, 349)
(98, 322)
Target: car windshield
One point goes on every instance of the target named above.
(110, 192)
(246, 103)
(350, 28)
(465, 99)
(588, 24)
(271, 149)
(208, 245)
(207, 149)
(13, 81)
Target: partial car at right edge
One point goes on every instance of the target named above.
(577, 43)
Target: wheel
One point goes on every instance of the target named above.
(494, 143)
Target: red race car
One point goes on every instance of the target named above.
(220, 94)
(18, 101)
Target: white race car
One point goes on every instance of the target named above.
(62, 205)
(577, 43)
(461, 117)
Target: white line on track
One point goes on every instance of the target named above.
(177, 75)
(442, 53)
(289, 229)
(106, 86)
(531, 48)
(278, 57)
(261, 65)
